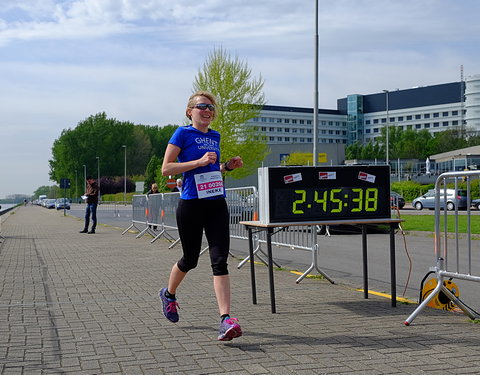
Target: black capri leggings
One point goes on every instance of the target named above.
(193, 217)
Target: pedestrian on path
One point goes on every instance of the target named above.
(194, 151)
(91, 196)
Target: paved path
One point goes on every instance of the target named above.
(87, 304)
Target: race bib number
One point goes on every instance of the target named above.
(209, 184)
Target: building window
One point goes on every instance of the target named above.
(409, 117)
(375, 130)
(287, 139)
(302, 140)
(309, 139)
(302, 122)
(271, 138)
(263, 119)
(271, 129)
(445, 123)
(279, 120)
(436, 124)
(309, 131)
(330, 123)
(400, 118)
(279, 130)
(367, 122)
(426, 115)
(455, 122)
(294, 130)
(264, 128)
(445, 114)
(287, 121)
(384, 120)
(426, 126)
(294, 121)
(375, 121)
(330, 132)
(324, 123)
(436, 114)
(418, 117)
(454, 113)
(309, 122)
(418, 126)
(287, 130)
(256, 119)
(324, 131)
(279, 139)
(302, 130)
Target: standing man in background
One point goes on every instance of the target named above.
(91, 195)
(179, 186)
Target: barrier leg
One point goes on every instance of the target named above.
(258, 248)
(459, 303)
(314, 265)
(425, 302)
(146, 230)
(130, 227)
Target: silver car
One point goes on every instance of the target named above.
(428, 199)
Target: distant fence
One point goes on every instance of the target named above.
(454, 257)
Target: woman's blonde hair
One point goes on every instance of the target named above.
(191, 101)
(154, 186)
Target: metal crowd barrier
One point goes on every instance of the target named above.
(158, 211)
(459, 262)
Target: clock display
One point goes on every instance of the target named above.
(297, 194)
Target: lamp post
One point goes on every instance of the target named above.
(388, 121)
(76, 192)
(315, 108)
(84, 178)
(98, 174)
(125, 177)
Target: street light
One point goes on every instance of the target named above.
(98, 174)
(76, 192)
(84, 178)
(125, 177)
(315, 95)
(388, 121)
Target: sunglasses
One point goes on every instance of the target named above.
(204, 106)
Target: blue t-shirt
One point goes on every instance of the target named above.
(194, 144)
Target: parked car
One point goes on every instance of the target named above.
(396, 200)
(50, 203)
(475, 204)
(428, 200)
(62, 203)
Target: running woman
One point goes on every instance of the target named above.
(194, 151)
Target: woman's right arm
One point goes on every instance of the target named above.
(171, 167)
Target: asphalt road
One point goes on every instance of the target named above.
(340, 256)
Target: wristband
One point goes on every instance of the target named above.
(226, 167)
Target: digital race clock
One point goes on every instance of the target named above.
(300, 194)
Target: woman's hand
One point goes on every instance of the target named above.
(208, 158)
(235, 162)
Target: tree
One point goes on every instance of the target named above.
(151, 172)
(239, 99)
(95, 136)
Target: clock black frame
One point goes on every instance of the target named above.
(343, 193)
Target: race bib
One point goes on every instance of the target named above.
(209, 184)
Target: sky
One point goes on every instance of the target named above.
(64, 60)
